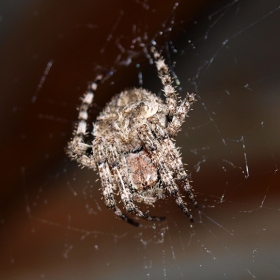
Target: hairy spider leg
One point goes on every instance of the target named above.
(175, 160)
(108, 183)
(108, 193)
(176, 113)
(181, 113)
(153, 146)
(166, 80)
(77, 147)
(148, 200)
(121, 181)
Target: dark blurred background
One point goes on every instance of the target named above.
(54, 224)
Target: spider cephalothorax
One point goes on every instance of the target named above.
(133, 148)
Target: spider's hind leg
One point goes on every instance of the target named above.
(166, 173)
(108, 182)
(108, 193)
(174, 161)
(117, 162)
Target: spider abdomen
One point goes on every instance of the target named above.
(141, 171)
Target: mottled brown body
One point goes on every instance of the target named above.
(133, 148)
(141, 170)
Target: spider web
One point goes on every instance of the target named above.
(54, 224)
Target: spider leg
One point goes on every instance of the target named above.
(154, 147)
(116, 161)
(77, 147)
(142, 199)
(176, 113)
(181, 113)
(107, 182)
(108, 193)
(166, 80)
(174, 160)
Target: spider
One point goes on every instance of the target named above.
(133, 147)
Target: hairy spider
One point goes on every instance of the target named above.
(133, 147)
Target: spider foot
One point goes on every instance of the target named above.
(125, 218)
(153, 218)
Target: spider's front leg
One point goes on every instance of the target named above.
(166, 80)
(181, 113)
(77, 147)
(176, 113)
